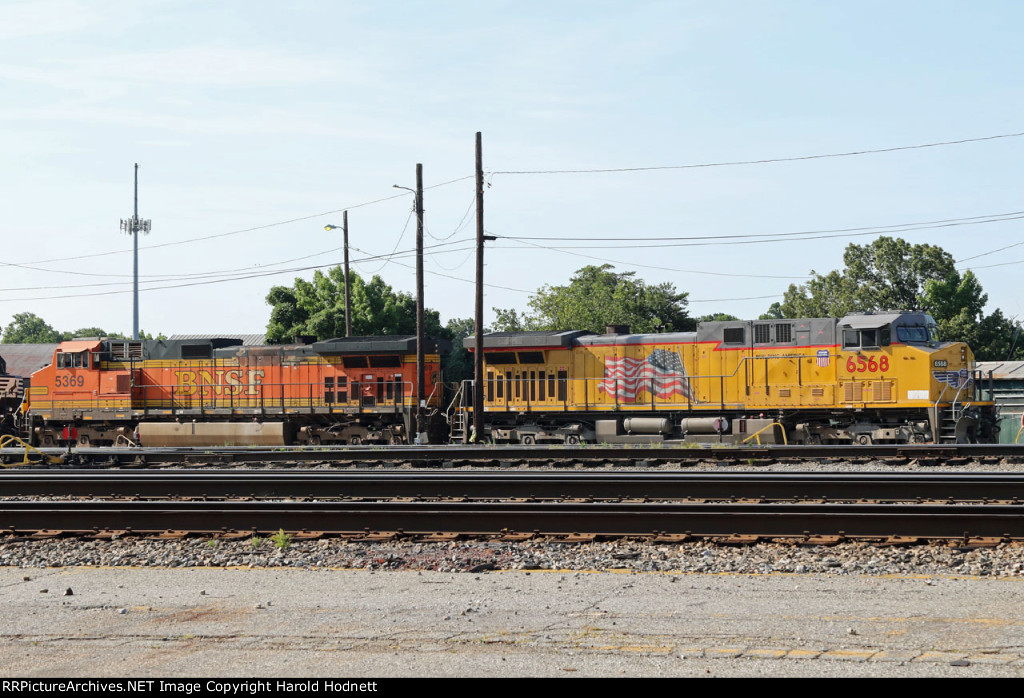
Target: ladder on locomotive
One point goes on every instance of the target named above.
(950, 416)
(456, 415)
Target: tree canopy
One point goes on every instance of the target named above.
(29, 328)
(596, 297)
(317, 309)
(892, 274)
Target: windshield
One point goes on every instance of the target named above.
(911, 334)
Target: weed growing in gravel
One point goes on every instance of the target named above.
(281, 539)
(256, 541)
(212, 543)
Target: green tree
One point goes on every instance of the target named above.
(596, 297)
(717, 317)
(317, 308)
(892, 274)
(94, 332)
(458, 366)
(29, 328)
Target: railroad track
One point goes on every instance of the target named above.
(665, 521)
(517, 485)
(665, 506)
(498, 455)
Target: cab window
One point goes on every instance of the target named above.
(911, 335)
(73, 360)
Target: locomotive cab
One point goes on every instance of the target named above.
(898, 358)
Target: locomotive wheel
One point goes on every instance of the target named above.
(864, 440)
(527, 440)
(572, 440)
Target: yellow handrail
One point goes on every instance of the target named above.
(6, 441)
(757, 434)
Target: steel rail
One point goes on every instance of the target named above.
(654, 485)
(611, 519)
(429, 455)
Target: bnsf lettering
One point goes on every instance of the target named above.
(234, 381)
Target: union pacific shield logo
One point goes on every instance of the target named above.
(956, 379)
(662, 373)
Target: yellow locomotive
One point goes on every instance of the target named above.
(865, 378)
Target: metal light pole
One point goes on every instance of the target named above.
(420, 338)
(132, 226)
(348, 300)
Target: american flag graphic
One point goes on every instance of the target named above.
(956, 379)
(823, 358)
(662, 372)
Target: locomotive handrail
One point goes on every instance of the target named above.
(7, 440)
(757, 434)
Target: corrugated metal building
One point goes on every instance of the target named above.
(248, 340)
(1008, 389)
(25, 359)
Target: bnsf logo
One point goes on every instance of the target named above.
(234, 381)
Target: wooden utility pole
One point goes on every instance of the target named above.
(420, 338)
(348, 301)
(478, 348)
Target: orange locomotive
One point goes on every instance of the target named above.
(354, 390)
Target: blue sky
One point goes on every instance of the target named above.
(255, 123)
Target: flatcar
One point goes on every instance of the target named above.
(864, 378)
(102, 392)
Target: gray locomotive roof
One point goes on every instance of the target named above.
(514, 340)
(870, 321)
(170, 349)
(618, 339)
(392, 344)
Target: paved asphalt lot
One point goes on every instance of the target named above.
(204, 622)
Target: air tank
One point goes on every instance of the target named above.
(704, 425)
(647, 425)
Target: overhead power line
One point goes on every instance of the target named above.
(242, 276)
(226, 234)
(893, 228)
(661, 268)
(711, 240)
(732, 163)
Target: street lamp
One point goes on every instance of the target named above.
(420, 339)
(348, 303)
